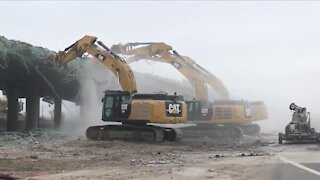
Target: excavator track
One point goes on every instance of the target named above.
(250, 129)
(145, 133)
(172, 134)
(215, 131)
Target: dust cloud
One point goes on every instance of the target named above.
(94, 79)
(278, 90)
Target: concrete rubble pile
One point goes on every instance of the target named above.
(31, 137)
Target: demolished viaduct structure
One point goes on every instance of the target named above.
(26, 72)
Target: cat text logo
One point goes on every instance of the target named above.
(174, 109)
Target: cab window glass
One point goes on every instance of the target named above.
(109, 102)
(191, 107)
(125, 99)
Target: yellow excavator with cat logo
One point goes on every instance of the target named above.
(135, 111)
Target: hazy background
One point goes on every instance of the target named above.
(260, 50)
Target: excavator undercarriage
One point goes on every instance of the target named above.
(234, 131)
(147, 133)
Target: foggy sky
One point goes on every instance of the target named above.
(261, 50)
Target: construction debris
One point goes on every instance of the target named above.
(31, 137)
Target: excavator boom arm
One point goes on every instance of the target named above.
(197, 76)
(112, 61)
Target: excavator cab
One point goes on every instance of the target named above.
(199, 110)
(116, 106)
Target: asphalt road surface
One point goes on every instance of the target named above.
(292, 162)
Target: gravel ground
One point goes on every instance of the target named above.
(46, 152)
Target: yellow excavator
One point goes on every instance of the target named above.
(132, 109)
(223, 116)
